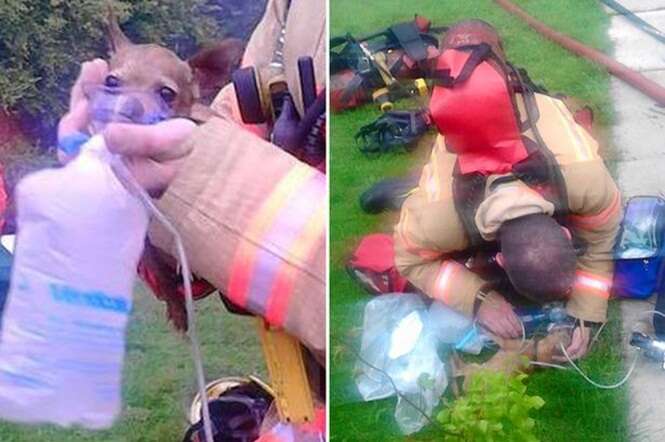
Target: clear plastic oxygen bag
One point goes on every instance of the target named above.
(403, 353)
(62, 342)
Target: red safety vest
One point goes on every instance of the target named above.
(472, 105)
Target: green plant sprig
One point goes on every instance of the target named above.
(495, 407)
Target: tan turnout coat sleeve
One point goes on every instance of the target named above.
(251, 216)
(429, 229)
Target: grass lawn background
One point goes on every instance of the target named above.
(158, 381)
(574, 410)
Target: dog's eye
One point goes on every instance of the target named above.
(112, 81)
(167, 94)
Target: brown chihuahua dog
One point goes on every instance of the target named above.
(148, 83)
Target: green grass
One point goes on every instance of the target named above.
(575, 411)
(158, 381)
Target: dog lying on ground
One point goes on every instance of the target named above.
(515, 355)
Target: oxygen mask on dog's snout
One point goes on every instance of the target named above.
(124, 105)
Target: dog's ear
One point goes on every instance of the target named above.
(213, 65)
(116, 38)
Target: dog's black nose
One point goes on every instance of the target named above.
(132, 108)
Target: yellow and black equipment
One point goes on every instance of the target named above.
(383, 67)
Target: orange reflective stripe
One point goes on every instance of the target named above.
(311, 236)
(589, 222)
(594, 285)
(246, 254)
(428, 254)
(444, 280)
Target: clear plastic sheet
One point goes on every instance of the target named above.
(404, 352)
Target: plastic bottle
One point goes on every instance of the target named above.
(80, 236)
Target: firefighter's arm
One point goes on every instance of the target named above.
(444, 280)
(425, 235)
(595, 217)
(450, 282)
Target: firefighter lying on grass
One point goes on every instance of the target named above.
(511, 173)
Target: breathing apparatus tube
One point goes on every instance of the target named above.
(126, 176)
(619, 70)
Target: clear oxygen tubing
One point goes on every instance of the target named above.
(128, 179)
(523, 339)
(585, 376)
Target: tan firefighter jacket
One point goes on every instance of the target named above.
(430, 229)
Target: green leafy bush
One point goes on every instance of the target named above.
(21, 158)
(494, 408)
(43, 42)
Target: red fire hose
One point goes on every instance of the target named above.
(630, 76)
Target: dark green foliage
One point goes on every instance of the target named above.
(20, 158)
(43, 42)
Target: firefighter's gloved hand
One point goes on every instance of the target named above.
(497, 315)
(579, 344)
